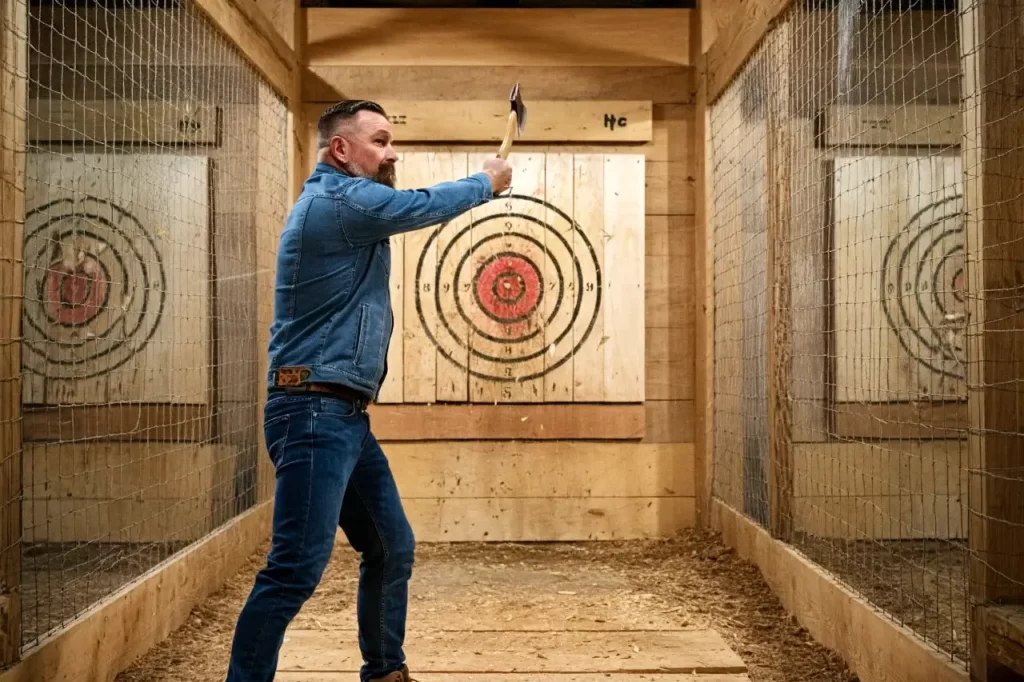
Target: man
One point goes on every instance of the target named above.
(328, 357)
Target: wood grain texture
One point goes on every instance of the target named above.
(125, 625)
(882, 489)
(992, 159)
(487, 37)
(691, 651)
(400, 422)
(875, 648)
(614, 121)
(568, 469)
(737, 41)
(117, 122)
(249, 29)
(658, 84)
(13, 92)
(136, 422)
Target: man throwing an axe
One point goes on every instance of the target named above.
(328, 358)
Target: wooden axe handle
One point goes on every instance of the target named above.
(510, 131)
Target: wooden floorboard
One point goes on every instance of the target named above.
(683, 651)
(518, 677)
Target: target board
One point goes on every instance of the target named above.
(537, 296)
(116, 279)
(900, 279)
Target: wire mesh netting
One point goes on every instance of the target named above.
(145, 181)
(866, 166)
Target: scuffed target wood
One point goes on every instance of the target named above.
(899, 279)
(116, 279)
(537, 295)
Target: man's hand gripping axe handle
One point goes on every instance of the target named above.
(516, 121)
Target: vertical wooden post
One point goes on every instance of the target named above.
(992, 47)
(13, 108)
(704, 310)
(780, 190)
(293, 19)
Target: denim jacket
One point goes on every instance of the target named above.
(332, 301)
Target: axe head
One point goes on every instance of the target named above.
(516, 101)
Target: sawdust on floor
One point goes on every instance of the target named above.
(691, 580)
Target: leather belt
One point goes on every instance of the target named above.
(336, 390)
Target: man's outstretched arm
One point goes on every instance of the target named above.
(369, 211)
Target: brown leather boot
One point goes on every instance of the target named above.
(397, 676)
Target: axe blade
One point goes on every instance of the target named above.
(516, 104)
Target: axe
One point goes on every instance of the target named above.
(516, 121)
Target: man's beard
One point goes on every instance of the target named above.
(385, 174)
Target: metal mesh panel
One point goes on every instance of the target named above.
(865, 167)
(145, 177)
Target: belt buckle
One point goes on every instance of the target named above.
(291, 377)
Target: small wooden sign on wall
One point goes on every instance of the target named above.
(484, 120)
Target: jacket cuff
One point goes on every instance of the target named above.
(485, 180)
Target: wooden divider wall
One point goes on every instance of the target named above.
(541, 472)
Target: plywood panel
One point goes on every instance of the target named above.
(117, 121)
(568, 469)
(548, 518)
(886, 489)
(117, 274)
(899, 279)
(120, 492)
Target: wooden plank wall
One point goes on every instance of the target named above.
(559, 489)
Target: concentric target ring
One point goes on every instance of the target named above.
(516, 283)
(97, 288)
(923, 283)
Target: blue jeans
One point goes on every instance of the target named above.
(331, 472)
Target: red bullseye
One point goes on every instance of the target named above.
(75, 295)
(508, 287)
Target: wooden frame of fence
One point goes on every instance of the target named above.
(106, 638)
(994, 520)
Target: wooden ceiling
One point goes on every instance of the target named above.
(526, 4)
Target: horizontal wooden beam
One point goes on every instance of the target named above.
(511, 469)
(895, 421)
(659, 84)
(119, 121)
(393, 422)
(485, 120)
(1004, 635)
(887, 125)
(244, 24)
(136, 422)
(738, 40)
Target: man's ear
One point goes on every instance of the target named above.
(339, 148)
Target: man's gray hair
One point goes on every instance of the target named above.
(342, 111)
